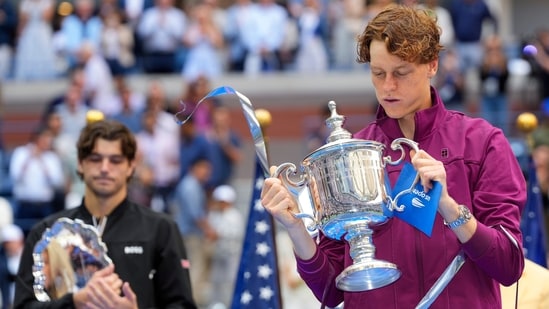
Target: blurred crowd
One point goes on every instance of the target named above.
(97, 45)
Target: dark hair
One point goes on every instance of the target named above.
(110, 130)
(410, 34)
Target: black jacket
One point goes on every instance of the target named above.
(156, 273)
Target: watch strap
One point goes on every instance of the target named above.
(464, 217)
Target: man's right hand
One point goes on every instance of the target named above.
(101, 288)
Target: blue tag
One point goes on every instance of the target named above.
(420, 208)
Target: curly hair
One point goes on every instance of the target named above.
(410, 34)
(109, 130)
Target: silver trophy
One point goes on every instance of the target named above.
(344, 191)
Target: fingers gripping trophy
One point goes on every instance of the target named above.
(344, 191)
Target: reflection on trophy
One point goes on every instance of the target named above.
(345, 192)
(66, 257)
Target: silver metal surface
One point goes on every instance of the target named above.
(346, 190)
(82, 245)
(249, 114)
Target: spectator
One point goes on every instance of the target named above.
(312, 56)
(238, 18)
(37, 175)
(494, 74)
(351, 15)
(192, 202)
(13, 240)
(203, 41)
(117, 43)
(226, 147)
(161, 30)
(540, 156)
(72, 112)
(190, 101)
(35, 57)
(81, 27)
(193, 144)
(450, 81)
(468, 17)
(145, 247)
(63, 145)
(264, 37)
(159, 150)
(8, 27)
(77, 79)
(132, 106)
(228, 223)
(444, 20)
(157, 102)
(98, 80)
(132, 10)
(541, 64)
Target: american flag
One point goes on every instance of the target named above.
(257, 285)
(532, 223)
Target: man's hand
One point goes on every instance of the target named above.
(103, 290)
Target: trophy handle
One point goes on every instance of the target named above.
(397, 145)
(298, 189)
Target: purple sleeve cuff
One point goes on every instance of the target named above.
(312, 265)
(477, 246)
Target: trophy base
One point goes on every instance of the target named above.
(367, 275)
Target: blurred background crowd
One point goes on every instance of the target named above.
(97, 46)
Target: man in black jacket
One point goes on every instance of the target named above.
(150, 267)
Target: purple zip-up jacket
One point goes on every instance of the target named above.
(482, 174)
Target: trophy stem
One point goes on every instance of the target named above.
(366, 272)
(359, 237)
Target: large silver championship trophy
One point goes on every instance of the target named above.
(345, 191)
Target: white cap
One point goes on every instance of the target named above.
(224, 193)
(11, 232)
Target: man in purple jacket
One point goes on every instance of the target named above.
(482, 196)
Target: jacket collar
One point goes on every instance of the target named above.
(116, 212)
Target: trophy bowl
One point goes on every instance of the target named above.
(66, 257)
(343, 189)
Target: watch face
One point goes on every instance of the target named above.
(464, 217)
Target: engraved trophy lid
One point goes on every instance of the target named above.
(335, 124)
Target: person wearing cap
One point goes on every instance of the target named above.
(12, 239)
(228, 223)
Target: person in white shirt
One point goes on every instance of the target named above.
(161, 30)
(37, 176)
(264, 37)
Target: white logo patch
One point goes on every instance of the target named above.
(133, 250)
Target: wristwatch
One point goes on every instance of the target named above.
(464, 217)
